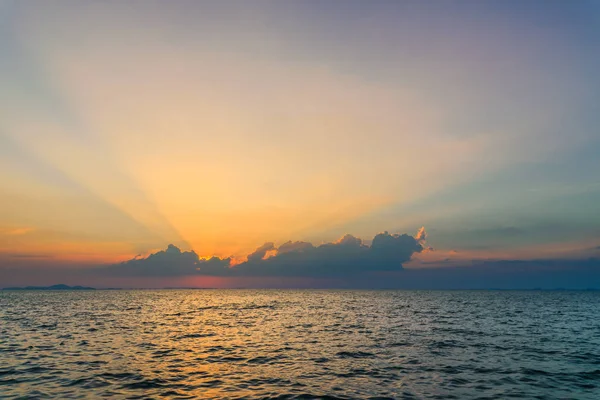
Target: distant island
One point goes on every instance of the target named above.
(53, 287)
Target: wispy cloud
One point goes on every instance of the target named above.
(16, 231)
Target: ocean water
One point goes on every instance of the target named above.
(300, 344)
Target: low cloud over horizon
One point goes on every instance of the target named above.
(348, 262)
(347, 257)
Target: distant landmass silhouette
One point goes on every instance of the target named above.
(53, 287)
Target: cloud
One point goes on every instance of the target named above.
(17, 231)
(421, 238)
(500, 274)
(290, 246)
(421, 235)
(344, 258)
(261, 252)
(345, 263)
(166, 263)
(348, 256)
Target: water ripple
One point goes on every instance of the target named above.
(247, 344)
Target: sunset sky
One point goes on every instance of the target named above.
(219, 126)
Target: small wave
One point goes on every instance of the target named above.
(354, 354)
(593, 375)
(458, 381)
(47, 326)
(197, 335)
(119, 376)
(257, 382)
(162, 353)
(446, 344)
(263, 360)
(258, 307)
(16, 381)
(35, 370)
(534, 372)
(211, 384)
(176, 394)
(304, 396)
(88, 383)
(145, 384)
(399, 344)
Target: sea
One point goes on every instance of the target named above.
(299, 344)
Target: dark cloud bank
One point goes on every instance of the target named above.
(350, 263)
(346, 257)
(346, 263)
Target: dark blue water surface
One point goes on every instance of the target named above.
(288, 344)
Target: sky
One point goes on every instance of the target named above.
(300, 143)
